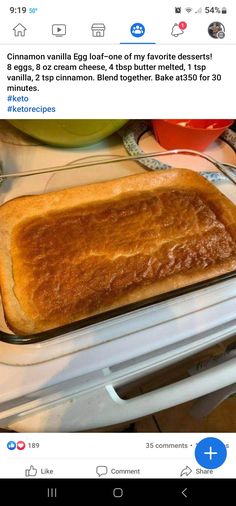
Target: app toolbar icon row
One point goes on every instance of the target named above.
(137, 30)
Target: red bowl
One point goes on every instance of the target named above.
(189, 133)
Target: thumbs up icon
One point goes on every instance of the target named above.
(31, 472)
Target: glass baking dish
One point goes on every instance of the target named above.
(32, 172)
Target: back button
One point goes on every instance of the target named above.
(185, 493)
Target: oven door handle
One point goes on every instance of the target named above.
(117, 410)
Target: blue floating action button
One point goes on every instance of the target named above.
(210, 453)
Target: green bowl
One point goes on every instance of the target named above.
(69, 132)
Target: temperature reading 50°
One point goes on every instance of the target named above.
(33, 10)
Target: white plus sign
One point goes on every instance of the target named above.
(210, 453)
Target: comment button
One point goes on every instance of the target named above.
(101, 470)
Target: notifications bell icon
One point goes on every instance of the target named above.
(176, 30)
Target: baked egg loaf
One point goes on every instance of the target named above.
(78, 252)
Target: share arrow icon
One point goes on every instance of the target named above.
(186, 471)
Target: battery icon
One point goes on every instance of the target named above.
(224, 10)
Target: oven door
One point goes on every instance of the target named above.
(106, 398)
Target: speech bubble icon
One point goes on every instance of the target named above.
(101, 470)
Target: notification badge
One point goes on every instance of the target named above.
(182, 25)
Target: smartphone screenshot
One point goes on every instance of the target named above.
(117, 250)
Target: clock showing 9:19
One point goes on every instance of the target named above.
(18, 10)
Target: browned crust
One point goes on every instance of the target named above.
(16, 211)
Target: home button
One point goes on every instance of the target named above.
(118, 492)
